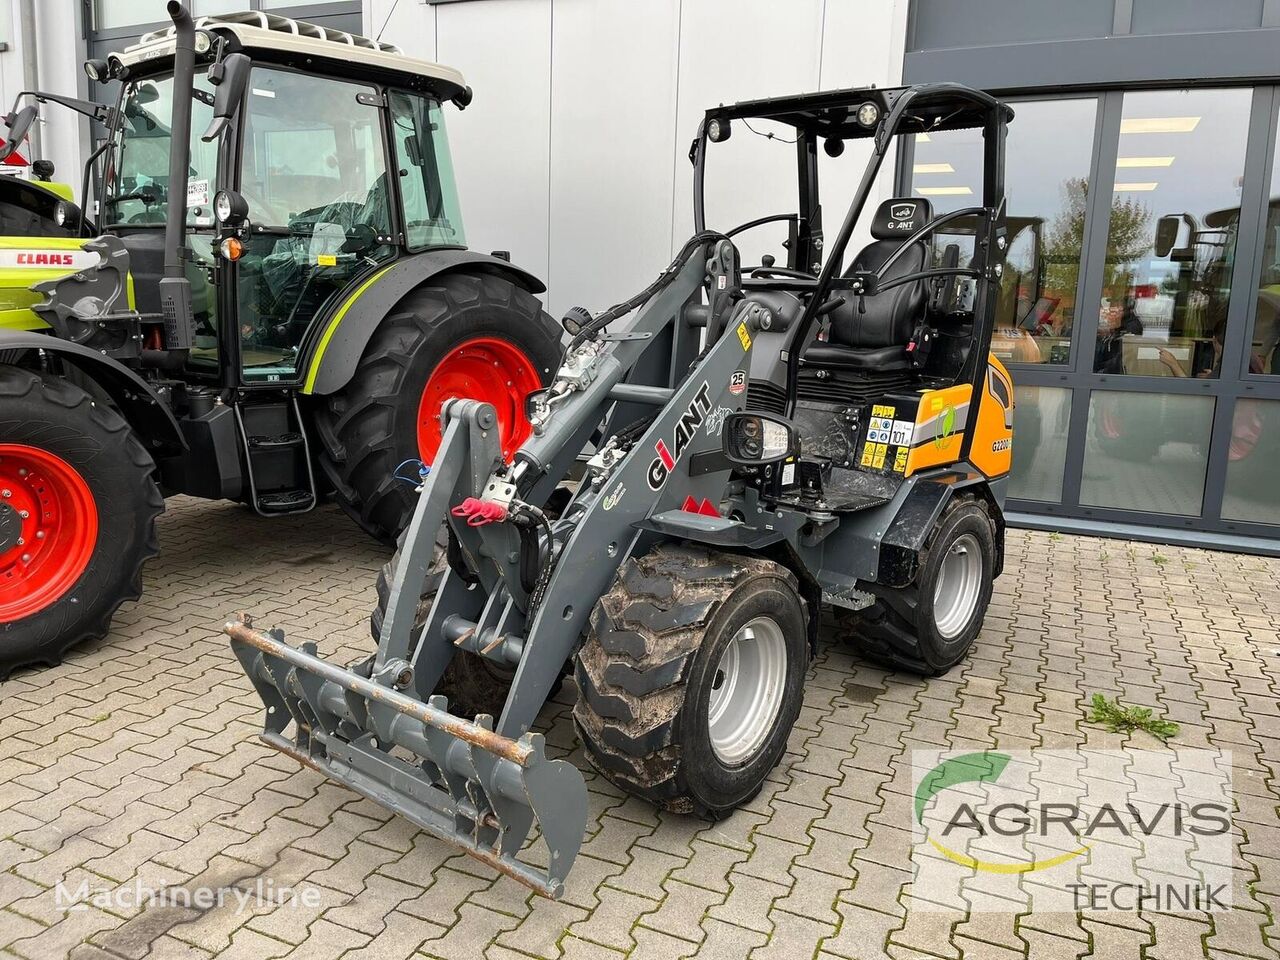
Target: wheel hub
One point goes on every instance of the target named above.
(489, 369)
(746, 691)
(959, 586)
(48, 529)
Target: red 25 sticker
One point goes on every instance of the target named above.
(738, 382)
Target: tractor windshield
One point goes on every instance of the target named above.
(137, 188)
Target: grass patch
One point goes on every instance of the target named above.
(1159, 559)
(1121, 719)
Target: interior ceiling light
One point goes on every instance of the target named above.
(933, 168)
(944, 191)
(1136, 187)
(1159, 124)
(1144, 162)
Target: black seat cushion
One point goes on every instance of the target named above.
(873, 331)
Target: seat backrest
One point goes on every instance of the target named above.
(889, 318)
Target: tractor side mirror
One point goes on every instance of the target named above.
(229, 79)
(19, 123)
(1167, 234)
(755, 439)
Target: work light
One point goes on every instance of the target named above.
(868, 114)
(229, 207)
(718, 130)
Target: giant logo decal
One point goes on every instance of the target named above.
(669, 455)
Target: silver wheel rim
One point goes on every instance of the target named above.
(746, 691)
(955, 597)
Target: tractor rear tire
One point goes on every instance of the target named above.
(460, 335)
(930, 626)
(78, 508)
(692, 676)
(472, 683)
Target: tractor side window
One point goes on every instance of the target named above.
(427, 189)
(314, 174)
(138, 186)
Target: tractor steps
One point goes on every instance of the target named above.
(277, 456)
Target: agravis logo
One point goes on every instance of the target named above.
(1074, 819)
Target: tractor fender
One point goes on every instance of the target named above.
(340, 335)
(918, 515)
(148, 415)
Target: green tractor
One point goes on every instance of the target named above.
(275, 304)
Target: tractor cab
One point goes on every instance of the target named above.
(314, 158)
(877, 350)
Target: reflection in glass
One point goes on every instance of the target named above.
(1266, 329)
(1046, 172)
(1252, 492)
(1040, 419)
(1172, 236)
(1146, 451)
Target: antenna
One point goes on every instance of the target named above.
(390, 14)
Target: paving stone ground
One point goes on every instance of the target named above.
(135, 764)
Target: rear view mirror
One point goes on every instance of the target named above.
(1167, 234)
(19, 123)
(229, 78)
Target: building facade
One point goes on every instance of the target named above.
(1139, 314)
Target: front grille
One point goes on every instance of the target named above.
(849, 388)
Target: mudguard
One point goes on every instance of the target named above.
(918, 514)
(146, 413)
(338, 337)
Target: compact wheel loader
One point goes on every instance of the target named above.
(756, 447)
(276, 304)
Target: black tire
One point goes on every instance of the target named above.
(646, 672)
(57, 417)
(900, 630)
(472, 684)
(369, 427)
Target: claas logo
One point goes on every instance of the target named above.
(46, 260)
(669, 454)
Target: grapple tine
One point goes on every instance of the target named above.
(465, 783)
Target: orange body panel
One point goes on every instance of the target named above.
(992, 448)
(945, 416)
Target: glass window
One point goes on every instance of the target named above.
(1146, 451)
(139, 180)
(431, 214)
(1048, 153)
(314, 174)
(1040, 419)
(1252, 492)
(1266, 327)
(108, 14)
(1172, 236)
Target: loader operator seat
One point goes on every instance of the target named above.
(873, 334)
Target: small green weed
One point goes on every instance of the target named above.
(1121, 719)
(1159, 559)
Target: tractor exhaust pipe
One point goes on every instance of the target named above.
(175, 288)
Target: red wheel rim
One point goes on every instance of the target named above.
(483, 368)
(48, 529)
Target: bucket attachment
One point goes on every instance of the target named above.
(462, 782)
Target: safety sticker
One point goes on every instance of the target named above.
(738, 382)
(197, 193)
(744, 337)
(788, 474)
(868, 454)
(900, 461)
(883, 410)
(881, 450)
(326, 260)
(901, 432)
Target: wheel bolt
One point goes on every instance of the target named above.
(39, 534)
(23, 514)
(22, 472)
(6, 493)
(26, 558)
(21, 541)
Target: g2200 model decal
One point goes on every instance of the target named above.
(686, 427)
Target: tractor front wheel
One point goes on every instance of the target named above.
(692, 676)
(78, 508)
(477, 337)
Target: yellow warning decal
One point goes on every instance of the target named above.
(900, 461)
(744, 337)
(326, 260)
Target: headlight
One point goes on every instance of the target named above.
(229, 207)
(868, 114)
(718, 130)
(203, 44)
(97, 70)
(754, 438)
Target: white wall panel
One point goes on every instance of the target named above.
(613, 89)
(501, 142)
(409, 24)
(739, 50)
